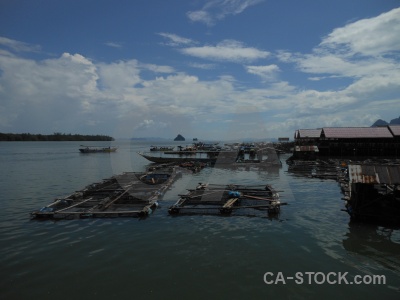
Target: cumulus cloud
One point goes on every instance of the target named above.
(362, 48)
(119, 75)
(27, 78)
(74, 92)
(365, 52)
(375, 36)
(48, 94)
(71, 91)
(227, 50)
(216, 10)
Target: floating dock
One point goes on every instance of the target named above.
(224, 199)
(127, 195)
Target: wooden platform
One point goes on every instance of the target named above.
(224, 199)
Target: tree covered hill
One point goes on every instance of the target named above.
(11, 137)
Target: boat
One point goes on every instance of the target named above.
(169, 159)
(161, 148)
(212, 157)
(95, 149)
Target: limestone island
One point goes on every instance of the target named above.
(179, 138)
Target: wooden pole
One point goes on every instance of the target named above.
(200, 195)
(259, 198)
(60, 210)
(102, 212)
(116, 199)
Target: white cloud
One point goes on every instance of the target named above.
(119, 75)
(339, 66)
(284, 56)
(267, 73)
(203, 66)
(27, 78)
(352, 99)
(363, 48)
(366, 52)
(201, 16)
(158, 68)
(72, 93)
(227, 50)
(216, 10)
(145, 124)
(18, 46)
(376, 87)
(41, 96)
(376, 36)
(176, 40)
(113, 44)
(151, 124)
(313, 102)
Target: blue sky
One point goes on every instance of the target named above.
(212, 69)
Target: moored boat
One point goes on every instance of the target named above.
(161, 148)
(95, 149)
(214, 158)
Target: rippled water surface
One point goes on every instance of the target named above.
(184, 256)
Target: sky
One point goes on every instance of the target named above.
(210, 69)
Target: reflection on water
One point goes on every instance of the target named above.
(374, 243)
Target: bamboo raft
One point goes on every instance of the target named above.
(129, 194)
(225, 199)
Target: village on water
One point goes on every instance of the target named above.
(363, 160)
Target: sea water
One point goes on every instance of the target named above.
(195, 256)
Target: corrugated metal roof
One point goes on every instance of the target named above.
(356, 132)
(395, 129)
(309, 133)
(374, 174)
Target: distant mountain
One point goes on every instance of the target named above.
(381, 122)
(395, 121)
(179, 138)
